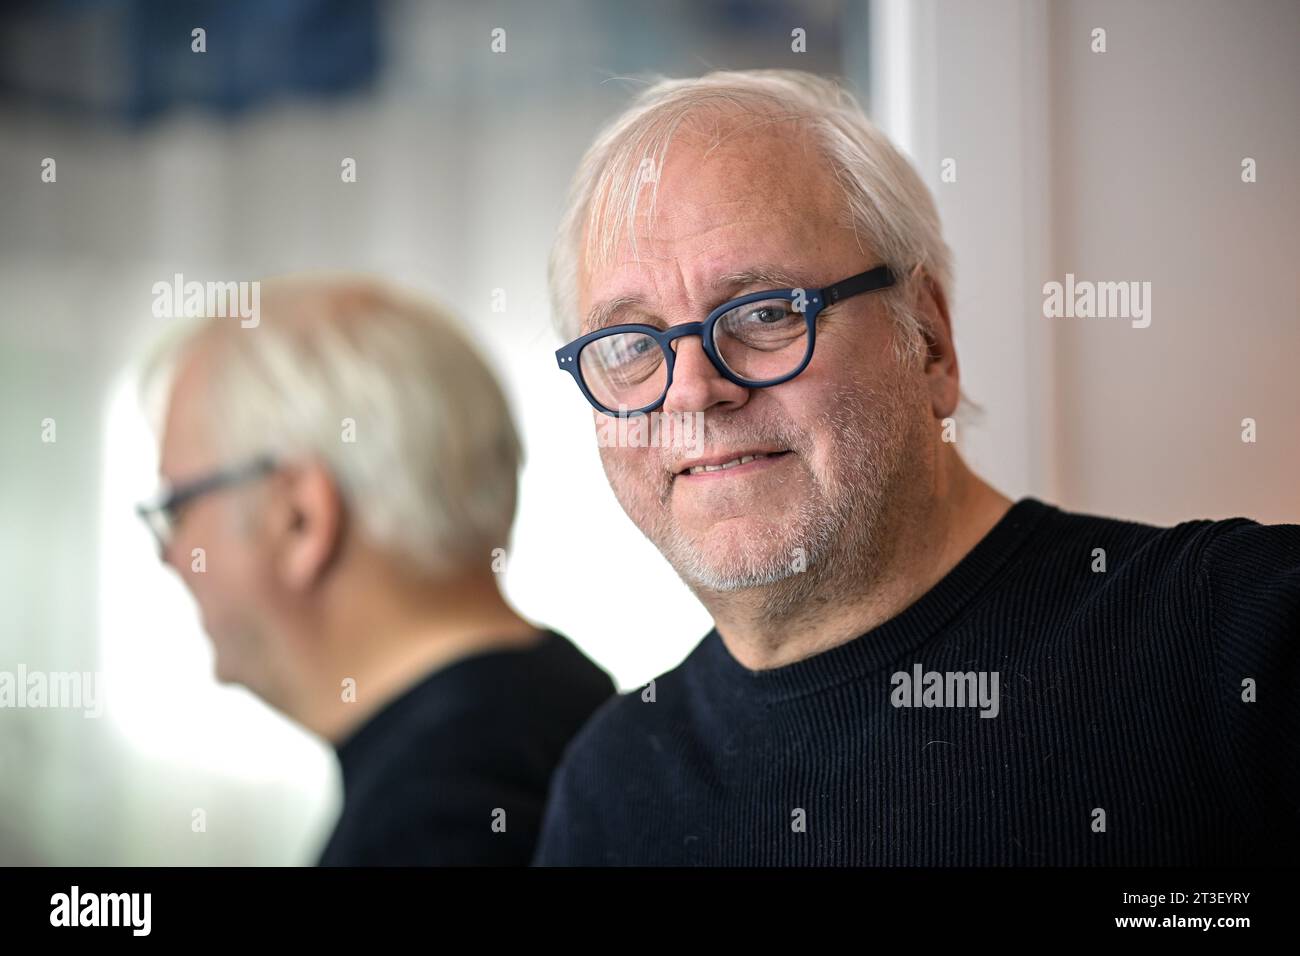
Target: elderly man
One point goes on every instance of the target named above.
(342, 481)
(906, 666)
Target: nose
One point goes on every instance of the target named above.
(697, 385)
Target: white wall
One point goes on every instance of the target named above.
(960, 81)
(1116, 166)
(1147, 143)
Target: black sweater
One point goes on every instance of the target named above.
(1120, 734)
(425, 778)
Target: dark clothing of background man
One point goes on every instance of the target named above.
(469, 746)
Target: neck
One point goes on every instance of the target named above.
(923, 535)
(357, 653)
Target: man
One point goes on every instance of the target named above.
(343, 479)
(907, 667)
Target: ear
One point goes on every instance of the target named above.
(309, 525)
(930, 306)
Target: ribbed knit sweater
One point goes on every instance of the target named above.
(1145, 714)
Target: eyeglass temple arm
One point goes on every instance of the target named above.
(259, 465)
(880, 277)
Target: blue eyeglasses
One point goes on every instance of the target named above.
(756, 341)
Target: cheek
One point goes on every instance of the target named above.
(853, 366)
(629, 468)
(227, 559)
(829, 409)
(861, 342)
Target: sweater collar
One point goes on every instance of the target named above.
(883, 645)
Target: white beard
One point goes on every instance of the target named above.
(835, 532)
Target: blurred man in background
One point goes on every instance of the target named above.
(341, 481)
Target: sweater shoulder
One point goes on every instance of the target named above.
(1233, 541)
(1222, 578)
(1250, 574)
(1201, 543)
(641, 713)
(1161, 554)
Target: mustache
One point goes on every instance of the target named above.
(733, 434)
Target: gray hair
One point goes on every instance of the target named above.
(432, 473)
(886, 203)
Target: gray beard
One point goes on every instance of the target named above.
(840, 527)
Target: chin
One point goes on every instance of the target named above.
(741, 555)
(727, 576)
(223, 673)
(224, 664)
(770, 535)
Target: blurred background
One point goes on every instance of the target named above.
(1122, 165)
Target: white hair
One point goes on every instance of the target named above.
(431, 475)
(886, 203)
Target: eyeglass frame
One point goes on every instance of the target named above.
(171, 501)
(815, 301)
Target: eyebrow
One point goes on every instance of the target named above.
(604, 314)
(770, 277)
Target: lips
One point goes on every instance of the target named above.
(725, 461)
